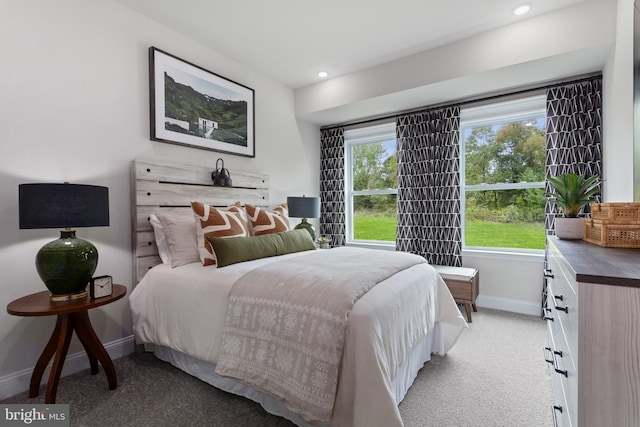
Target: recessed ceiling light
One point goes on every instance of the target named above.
(521, 10)
(322, 74)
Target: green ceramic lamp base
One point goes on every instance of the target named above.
(67, 264)
(309, 227)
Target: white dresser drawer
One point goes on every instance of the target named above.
(562, 293)
(562, 307)
(563, 416)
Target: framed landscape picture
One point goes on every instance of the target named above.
(197, 108)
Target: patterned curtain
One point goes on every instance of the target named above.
(332, 204)
(574, 135)
(429, 221)
(574, 140)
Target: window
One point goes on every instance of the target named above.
(503, 174)
(371, 184)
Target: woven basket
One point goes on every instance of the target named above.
(612, 235)
(619, 212)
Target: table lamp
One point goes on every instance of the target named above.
(67, 264)
(304, 207)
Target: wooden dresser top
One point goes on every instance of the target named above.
(595, 264)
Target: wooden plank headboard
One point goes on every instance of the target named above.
(162, 187)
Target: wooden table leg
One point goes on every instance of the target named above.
(44, 359)
(64, 338)
(92, 358)
(94, 347)
(467, 308)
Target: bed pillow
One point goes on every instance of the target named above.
(265, 222)
(216, 222)
(181, 238)
(161, 242)
(295, 241)
(239, 249)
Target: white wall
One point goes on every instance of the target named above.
(74, 107)
(510, 282)
(617, 110)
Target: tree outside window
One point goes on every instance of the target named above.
(503, 185)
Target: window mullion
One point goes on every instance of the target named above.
(505, 186)
(374, 192)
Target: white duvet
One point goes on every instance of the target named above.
(184, 309)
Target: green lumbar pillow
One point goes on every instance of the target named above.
(295, 241)
(231, 250)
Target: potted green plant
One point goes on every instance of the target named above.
(571, 193)
(323, 243)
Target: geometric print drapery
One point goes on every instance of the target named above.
(332, 203)
(428, 159)
(573, 139)
(574, 135)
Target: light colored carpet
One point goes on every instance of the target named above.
(494, 376)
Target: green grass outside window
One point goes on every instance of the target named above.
(478, 233)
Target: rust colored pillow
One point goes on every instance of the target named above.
(216, 222)
(265, 222)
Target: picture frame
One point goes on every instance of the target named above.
(194, 107)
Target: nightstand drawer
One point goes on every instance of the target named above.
(462, 282)
(461, 290)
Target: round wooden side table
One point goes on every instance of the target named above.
(72, 316)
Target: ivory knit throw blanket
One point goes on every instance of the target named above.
(285, 323)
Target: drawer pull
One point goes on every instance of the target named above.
(548, 310)
(554, 410)
(560, 298)
(547, 349)
(548, 274)
(554, 360)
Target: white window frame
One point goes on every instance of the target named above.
(352, 137)
(505, 111)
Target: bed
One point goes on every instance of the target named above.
(400, 314)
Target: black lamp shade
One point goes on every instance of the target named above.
(304, 207)
(65, 265)
(63, 206)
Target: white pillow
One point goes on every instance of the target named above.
(181, 238)
(161, 242)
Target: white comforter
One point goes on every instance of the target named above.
(184, 309)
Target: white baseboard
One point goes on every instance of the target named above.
(18, 382)
(507, 304)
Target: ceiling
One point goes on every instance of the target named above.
(291, 40)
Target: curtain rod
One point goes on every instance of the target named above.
(467, 101)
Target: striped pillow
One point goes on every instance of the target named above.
(265, 222)
(211, 221)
